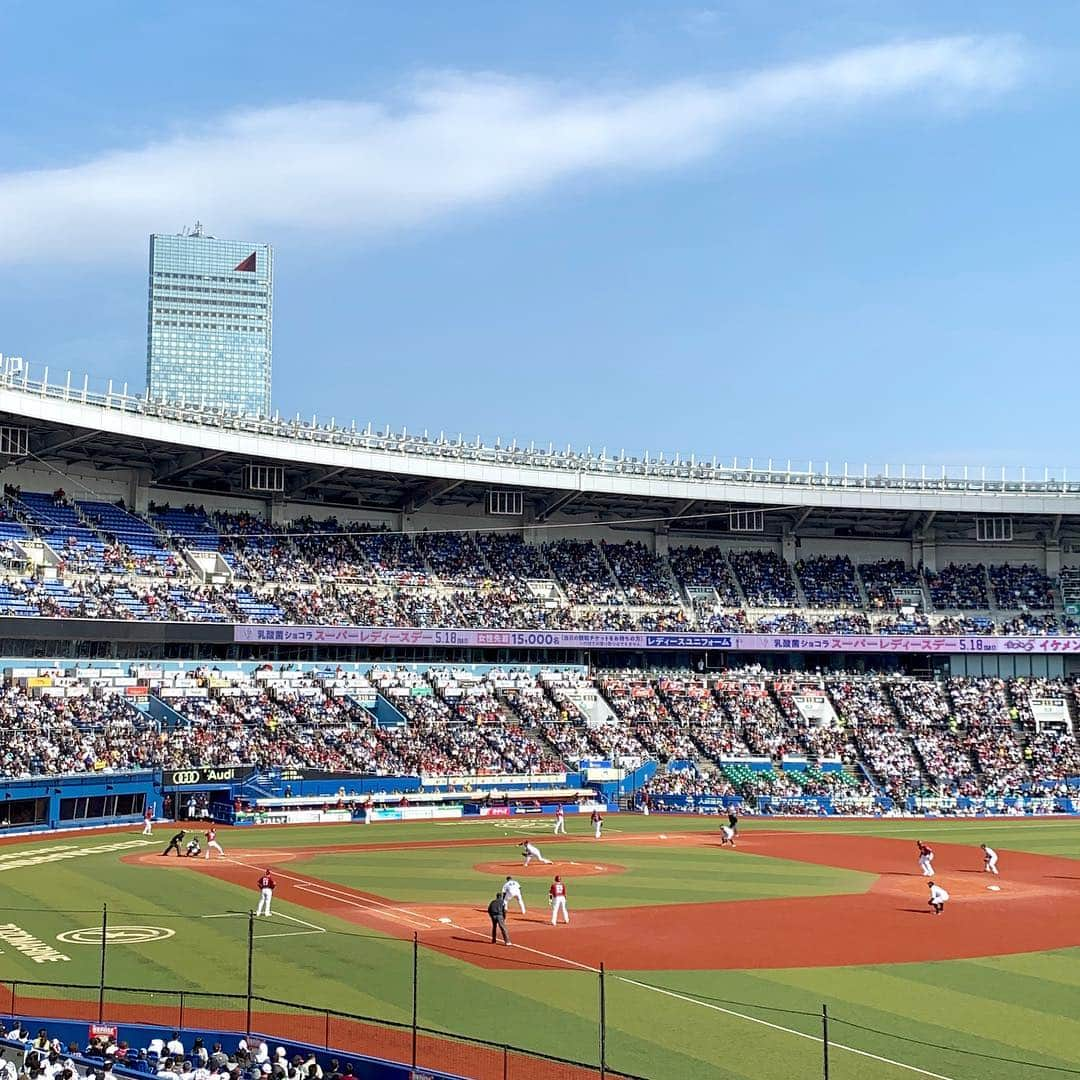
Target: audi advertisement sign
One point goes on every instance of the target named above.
(205, 775)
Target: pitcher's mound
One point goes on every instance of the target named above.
(557, 866)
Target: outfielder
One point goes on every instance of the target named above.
(938, 897)
(560, 821)
(530, 851)
(267, 885)
(597, 823)
(511, 890)
(557, 898)
(989, 860)
(926, 859)
(211, 842)
(148, 821)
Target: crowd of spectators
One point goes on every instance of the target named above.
(52, 736)
(828, 581)
(1021, 585)
(765, 578)
(705, 567)
(958, 736)
(643, 577)
(340, 572)
(986, 724)
(882, 577)
(959, 587)
(164, 1057)
(580, 570)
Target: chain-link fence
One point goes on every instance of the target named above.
(610, 1024)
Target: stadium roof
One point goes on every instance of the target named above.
(194, 449)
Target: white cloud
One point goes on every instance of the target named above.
(450, 143)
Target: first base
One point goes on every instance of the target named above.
(994, 888)
(663, 836)
(443, 918)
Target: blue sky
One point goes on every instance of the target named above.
(841, 231)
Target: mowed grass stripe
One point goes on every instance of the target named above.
(1059, 968)
(995, 983)
(890, 1001)
(873, 998)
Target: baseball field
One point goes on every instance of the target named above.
(716, 962)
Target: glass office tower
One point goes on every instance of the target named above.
(210, 321)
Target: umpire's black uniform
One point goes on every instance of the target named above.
(174, 843)
(497, 911)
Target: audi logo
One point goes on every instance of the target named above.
(190, 776)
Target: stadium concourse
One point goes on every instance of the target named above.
(848, 743)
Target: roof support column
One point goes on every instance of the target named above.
(138, 499)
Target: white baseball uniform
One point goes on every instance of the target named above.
(990, 858)
(531, 851)
(729, 834)
(511, 890)
(560, 821)
(938, 895)
(148, 822)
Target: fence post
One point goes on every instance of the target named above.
(603, 1024)
(326, 1030)
(825, 1041)
(415, 982)
(506, 1063)
(101, 980)
(14, 997)
(181, 1024)
(251, 950)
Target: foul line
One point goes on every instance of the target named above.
(404, 915)
(327, 892)
(790, 1031)
(313, 928)
(416, 922)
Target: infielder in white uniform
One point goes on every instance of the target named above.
(511, 890)
(989, 860)
(938, 896)
(211, 842)
(727, 836)
(530, 851)
(560, 821)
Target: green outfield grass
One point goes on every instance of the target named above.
(692, 1024)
